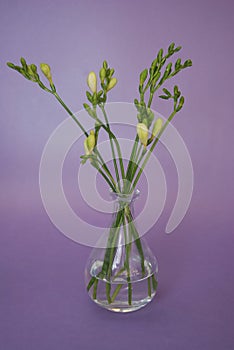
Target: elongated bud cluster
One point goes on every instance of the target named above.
(45, 68)
(142, 132)
(111, 84)
(157, 127)
(92, 82)
(89, 143)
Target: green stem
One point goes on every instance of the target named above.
(127, 264)
(138, 152)
(84, 131)
(151, 150)
(70, 113)
(149, 287)
(131, 164)
(150, 100)
(136, 237)
(119, 273)
(108, 173)
(106, 169)
(95, 289)
(111, 184)
(91, 282)
(108, 291)
(106, 261)
(113, 250)
(116, 144)
(116, 292)
(138, 161)
(154, 283)
(112, 147)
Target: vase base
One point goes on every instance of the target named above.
(124, 307)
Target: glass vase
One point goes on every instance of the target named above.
(122, 275)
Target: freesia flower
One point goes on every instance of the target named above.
(89, 143)
(157, 127)
(45, 68)
(92, 82)
(142, 132)
(111, 84)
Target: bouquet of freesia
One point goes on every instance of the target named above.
(123, 277)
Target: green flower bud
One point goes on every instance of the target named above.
(160, 55)
(45, 68)
(89, 143)
(171, 48)
(157, 127)
(102, 74)
(181, 103)
(92, 82)
(32, 71)
(33, 68)
(89, 110)
(105, 65)
(111, 84)
(11, 65)
(168, 70)
(24, 64)
(111, 72)
(142, 132)
(143, 76)
(188, 63)
(150, 117)
(86, 106)
(178, 48)
(154, 65)
(178, 64)
(139, 117)
(89, 96)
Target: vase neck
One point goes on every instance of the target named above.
(122, 200)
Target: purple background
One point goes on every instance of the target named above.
(43, 302)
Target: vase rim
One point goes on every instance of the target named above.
(128, 197)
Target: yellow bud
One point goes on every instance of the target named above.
(92, 82)
(45, 68)
(89, 143)
(157, 127)
(142, 132)
(111, 84)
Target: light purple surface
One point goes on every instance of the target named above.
(43, 302)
